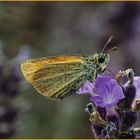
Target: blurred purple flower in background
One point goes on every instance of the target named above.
(10, 86)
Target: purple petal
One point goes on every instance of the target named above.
(98, 99)
(87, 88)
(101, 103)
(100, 84)
(117, 89)
(109, 105)
(108, 90)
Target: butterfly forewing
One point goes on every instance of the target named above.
(55, 77)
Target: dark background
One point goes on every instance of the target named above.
(33, 29)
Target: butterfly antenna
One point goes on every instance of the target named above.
(109, 40)
(112, 49)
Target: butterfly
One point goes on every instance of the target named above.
(60, 76)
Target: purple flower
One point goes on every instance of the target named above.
(106, 92)
(115, 103)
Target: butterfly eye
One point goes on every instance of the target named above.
(101, 59)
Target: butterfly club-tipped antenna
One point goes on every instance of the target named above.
(108, 41)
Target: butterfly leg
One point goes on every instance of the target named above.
(92, 76)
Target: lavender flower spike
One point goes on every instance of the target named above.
(108, 92)
(137, 85)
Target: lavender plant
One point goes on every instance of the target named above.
(10, 86)
(114, 105)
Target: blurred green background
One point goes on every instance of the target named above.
(38, 29)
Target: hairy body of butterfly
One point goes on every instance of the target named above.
(57, 77)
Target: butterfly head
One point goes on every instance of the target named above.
(102, 59)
